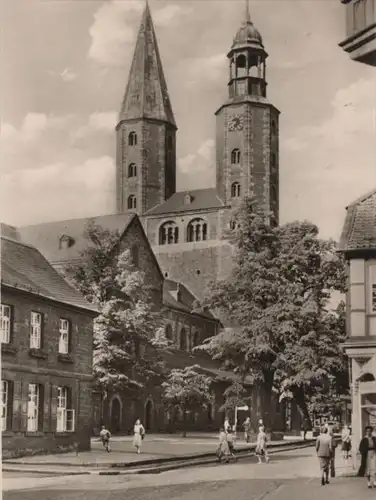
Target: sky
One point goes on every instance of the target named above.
(65, 66)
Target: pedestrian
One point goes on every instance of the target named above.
(324, 452)
(367, 449)
(226, 424)
(105, 436)
(223, 450)
(346, 441)
(261, 449)
(305, 428)
(138, 435)
(333, 453)
(247, 429)
(231, 443)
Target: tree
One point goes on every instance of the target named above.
(127, 332)
(186, 391)
(276, 298)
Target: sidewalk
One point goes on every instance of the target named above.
(155, 449)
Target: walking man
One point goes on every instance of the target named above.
(324, 453)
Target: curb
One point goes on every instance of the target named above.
(163, 464)
(162, 460)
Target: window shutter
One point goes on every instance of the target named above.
(10, 406)
(69, 398)
(40, 407)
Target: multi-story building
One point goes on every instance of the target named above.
(360, 41)
(358, 243)
(46, 330)
(189, 233)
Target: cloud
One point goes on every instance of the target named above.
(113, 31)
(333, 162)
(56, 167)
(55, 191)
(198, 165)
(209, 69)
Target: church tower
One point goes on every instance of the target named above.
(146, 131)
(247, 149)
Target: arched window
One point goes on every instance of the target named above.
(197, 230)
(183, 339)
(233, 224)
(132, 170)
(168, 332)
(235, 190)
(241, 63)
(132, 202)
(135, 255)
(235, 156)
(168, 233)
(132, 138)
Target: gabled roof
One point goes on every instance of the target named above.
(186, 201)
(177, 296)
(359, 229)
(146, 95)
(24, 268)
(46, 237)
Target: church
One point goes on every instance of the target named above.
(189, 231)
(182, 239)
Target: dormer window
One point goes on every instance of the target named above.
(65, 242)
(187, 199)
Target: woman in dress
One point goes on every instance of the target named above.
(346, 441)
(261, 450)
(223, 450)
(138, 435)
(367, 449)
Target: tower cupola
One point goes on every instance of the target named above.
(247, 60)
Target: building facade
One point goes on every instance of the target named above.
(358, 243)
(46, 330)
(189, 231)
(360, 41)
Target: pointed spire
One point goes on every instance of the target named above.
(146, 95)
(247, 12)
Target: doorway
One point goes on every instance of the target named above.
(149, 415)
(115, 415)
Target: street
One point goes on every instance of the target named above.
(290, 474)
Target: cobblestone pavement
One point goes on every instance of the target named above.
(290, 474)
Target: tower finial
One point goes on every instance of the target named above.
(247, 12)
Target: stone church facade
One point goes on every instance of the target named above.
(189, 231)
(182, 238)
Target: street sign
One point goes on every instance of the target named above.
(242, 408)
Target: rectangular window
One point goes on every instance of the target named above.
(65, 415)
(36, 330)
(4, 403)
(372, 288)
(33, 408)
(64, 331)
(5, 323)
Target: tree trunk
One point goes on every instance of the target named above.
(266, 400)
(301, 404)
(184, 424)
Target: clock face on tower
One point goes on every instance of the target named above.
(236, 123)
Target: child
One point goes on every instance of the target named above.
(105, 438)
